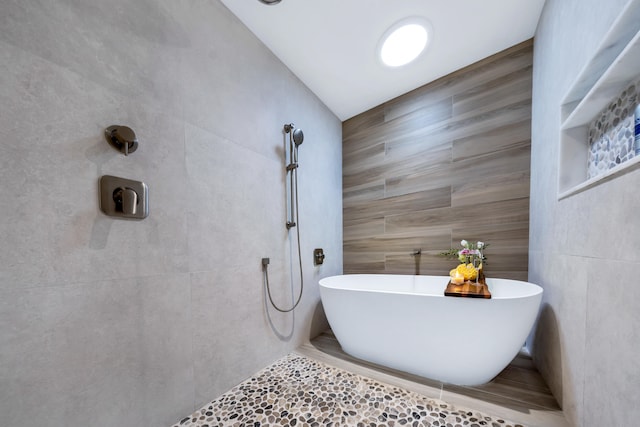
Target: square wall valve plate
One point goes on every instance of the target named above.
(124, 198)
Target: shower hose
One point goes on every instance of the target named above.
(294, 190)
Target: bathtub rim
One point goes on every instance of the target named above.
(328, 282)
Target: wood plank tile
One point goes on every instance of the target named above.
(362, 228)
(507, 211)
(366, 156)
(462, 127)
(363, 262)
(503, 238)
(500, 64)
(430, 113)
(512, 266)
(362, 141)
(504, 90)
(524, 361)
(430, 179)
(412, 126)
(364, 121)
(502, 175)
(433, 241)
(428, 263)
(366, 176)
(422, 200)
(500, 187)
(369, 191)
(485, 121)
(423, 121)
(417, 157)
(416, 169)
(517, 376)
(456, 156)
(512, 135)
(407, 144)
(510, 274)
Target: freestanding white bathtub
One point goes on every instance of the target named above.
(406, 323)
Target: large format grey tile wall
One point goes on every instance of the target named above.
(107, 322)
(587, 337)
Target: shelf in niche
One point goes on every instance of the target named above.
(615, 65)
(624, 70)
(619, 170)
(611, 50)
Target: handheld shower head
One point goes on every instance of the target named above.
(295, 135)
(298, 136)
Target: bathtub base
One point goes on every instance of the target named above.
(406, 323)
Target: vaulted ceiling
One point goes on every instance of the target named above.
(331, 44)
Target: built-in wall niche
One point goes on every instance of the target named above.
(600, 106)
(612, 134)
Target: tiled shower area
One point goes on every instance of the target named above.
(164, 321)
(320, 385)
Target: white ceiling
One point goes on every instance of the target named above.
(331, 44)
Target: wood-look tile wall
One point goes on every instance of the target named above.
(445, 162)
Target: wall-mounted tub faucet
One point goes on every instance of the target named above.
(122, 138)
(416, 254)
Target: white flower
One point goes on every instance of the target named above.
(480, 245)
(464, 244)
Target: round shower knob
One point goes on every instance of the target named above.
(122, 138)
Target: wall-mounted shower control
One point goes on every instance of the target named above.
(122, 138)
(124, 198)
(318, 256)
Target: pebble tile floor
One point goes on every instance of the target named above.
(299, 391)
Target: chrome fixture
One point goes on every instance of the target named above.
(270, 2)
(124, 198)
(296, 136)
(295, 139)
(318, 256)
(417, 253)
(122, 138)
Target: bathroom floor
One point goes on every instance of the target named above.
(319, 385)
(518, 393)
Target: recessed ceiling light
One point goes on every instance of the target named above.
(403, 42)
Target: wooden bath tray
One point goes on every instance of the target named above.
(468, 290)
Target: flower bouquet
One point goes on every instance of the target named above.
(471, 258)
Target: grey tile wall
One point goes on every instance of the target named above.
(108, 322)
(582, 246)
